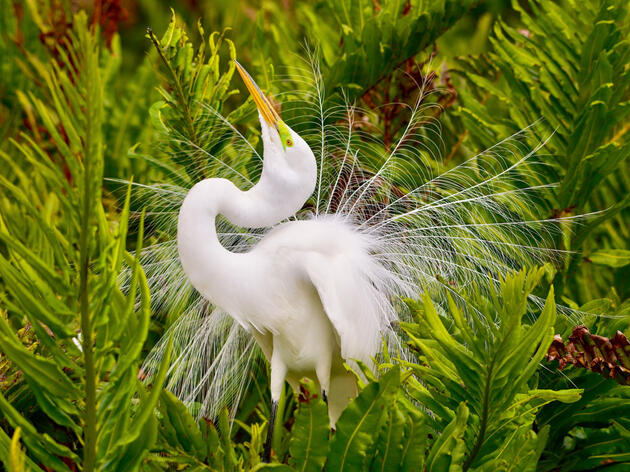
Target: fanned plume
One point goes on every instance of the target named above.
(430, 228)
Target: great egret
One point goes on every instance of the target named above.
(309, 290)
(324, 287)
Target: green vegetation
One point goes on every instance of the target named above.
(88, 97)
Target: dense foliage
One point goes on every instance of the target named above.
(89, 98)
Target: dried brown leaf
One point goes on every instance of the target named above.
(609, 357)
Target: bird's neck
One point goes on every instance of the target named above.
(209, 266)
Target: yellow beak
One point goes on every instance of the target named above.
(266, 110)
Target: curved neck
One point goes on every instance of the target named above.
(209, 266)
(196, 227)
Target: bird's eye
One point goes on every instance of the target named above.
(285, 134)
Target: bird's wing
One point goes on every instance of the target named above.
(353, 303)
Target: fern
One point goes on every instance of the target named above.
(59, 272)
(488, 370)
(572, 71)
(75, 107)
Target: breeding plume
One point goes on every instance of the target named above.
(307, 260)
(311, 292)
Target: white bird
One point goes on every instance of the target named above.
(308, 291)
(323, 289)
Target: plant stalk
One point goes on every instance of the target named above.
(90, 166)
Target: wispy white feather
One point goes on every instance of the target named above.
(429, 229)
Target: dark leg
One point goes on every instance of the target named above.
(270, 426)
(325, 397)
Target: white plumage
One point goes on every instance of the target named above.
(310, 292)
(321, 285)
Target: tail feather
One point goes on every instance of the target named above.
(343, 388)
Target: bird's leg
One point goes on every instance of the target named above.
(278, 374)
(272, 422)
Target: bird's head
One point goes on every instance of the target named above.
(288, 162)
